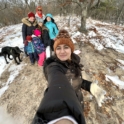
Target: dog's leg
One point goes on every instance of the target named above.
(16, 60)
(19, 58)
(5, 58)
(9, 57)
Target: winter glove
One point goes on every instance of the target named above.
(98, 93)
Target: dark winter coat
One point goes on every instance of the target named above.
(27, 27)
(45, 36)
(63, 95)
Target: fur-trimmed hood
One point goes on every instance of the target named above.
(27, 22)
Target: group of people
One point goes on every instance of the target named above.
(62, 102)
(39, 32)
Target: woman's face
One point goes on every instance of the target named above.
(39, 11)
(40, 24)
(48, 19)
(63, 52)
(31, 19)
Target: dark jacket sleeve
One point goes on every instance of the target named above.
(86, 85)
(46, 38)
(58, 96)
(24, 30)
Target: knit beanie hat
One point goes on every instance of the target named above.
(31, 14)
(37, 32)
(63, 38)
(28, 38)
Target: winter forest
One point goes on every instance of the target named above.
(96, 28)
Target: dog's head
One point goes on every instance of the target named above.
(18, 50)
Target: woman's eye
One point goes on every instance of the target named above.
(66, 47)
(58, 48)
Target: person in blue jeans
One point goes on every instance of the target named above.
(31, 50)
(52, 27)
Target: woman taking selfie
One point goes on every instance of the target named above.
(63, 100)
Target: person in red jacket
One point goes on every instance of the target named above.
(63, 100)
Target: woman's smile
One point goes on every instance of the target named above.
(63, 52)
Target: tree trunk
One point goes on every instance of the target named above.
(83, 20)
(119, 14)
(69, 18)
(98, 3)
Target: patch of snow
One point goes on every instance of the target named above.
(77, 51)
(115, 80)
(14, 71)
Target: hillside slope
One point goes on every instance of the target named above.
(102, 62)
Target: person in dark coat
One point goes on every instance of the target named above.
(45, 37)
(45, 33)
(29, 24)
(63, 101)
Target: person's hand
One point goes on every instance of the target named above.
(98, 93)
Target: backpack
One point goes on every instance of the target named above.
(38, 45)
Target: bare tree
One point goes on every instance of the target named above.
(5, 6)
(84, 6)
(119, 14)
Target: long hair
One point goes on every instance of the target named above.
(72, 64)
(52, 20)
(76, 65)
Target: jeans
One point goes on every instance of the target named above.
(33, 57)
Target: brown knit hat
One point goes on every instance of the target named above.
(63, 38)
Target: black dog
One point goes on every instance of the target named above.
(14, 51)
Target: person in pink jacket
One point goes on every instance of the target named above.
(39, 46)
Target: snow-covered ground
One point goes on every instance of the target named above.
(11, 36)
(101, 35)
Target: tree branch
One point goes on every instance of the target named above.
(76, 2)
(4, 7)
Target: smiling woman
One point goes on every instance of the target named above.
(63, 52)
(63, 100)
(63, 46)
